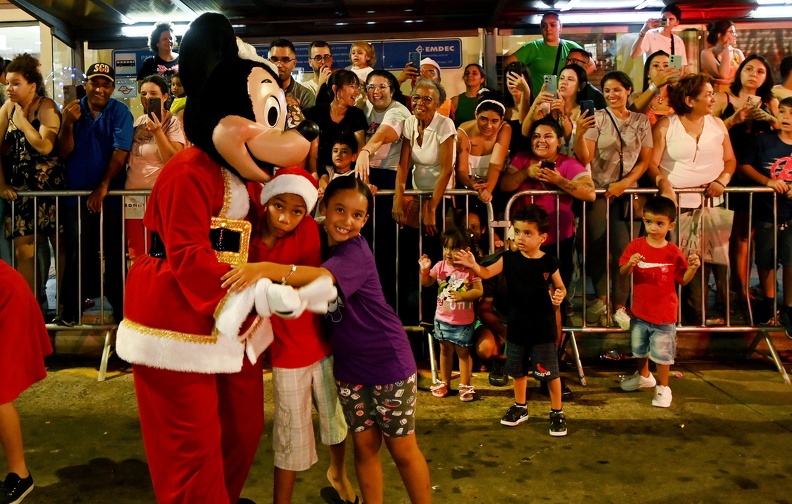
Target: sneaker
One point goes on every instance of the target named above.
(497, 374)
(621, 318)
(558, 426)
(595, 311)
(662, 397)
(467, 393)
(515, 416)
(637, 381)
(14, 489)
(439, 390)
(786, 319)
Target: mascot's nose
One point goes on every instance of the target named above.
(308, 129)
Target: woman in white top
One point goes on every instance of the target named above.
(154, 143)
(692, 149)
(482, 146)
(429, 149)
(618, 144)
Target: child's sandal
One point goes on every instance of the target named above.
(467, 393)
(439, 390)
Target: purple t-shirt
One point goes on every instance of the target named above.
(370, 346)
(569, 168)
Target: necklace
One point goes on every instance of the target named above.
(659, 99)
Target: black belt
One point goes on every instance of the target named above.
(222, 239)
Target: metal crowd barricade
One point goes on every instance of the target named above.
(463, 200)
(762, 332)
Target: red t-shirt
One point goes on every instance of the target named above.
(298, 342)
(654, 287)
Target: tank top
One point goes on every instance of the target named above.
(466, 109)
(478, 166)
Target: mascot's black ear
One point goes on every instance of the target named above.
(209, 40)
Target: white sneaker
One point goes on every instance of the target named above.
(662, 397)
(594, 311)
(621, 318)
(637, 381)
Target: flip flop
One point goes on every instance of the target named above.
(331, 496)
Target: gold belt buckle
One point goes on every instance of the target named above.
(242, 227)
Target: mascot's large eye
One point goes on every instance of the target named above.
(272, 111)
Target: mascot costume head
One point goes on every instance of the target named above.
(236, 111)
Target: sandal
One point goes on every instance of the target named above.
(467, 393)
(439, 390)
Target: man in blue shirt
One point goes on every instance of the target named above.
(95, 139)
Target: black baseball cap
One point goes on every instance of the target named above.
(101, 70)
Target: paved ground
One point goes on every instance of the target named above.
(726, 438)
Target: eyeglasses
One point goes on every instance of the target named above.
(373, 87)
(426, 99)
(318, 58)
(283, 59)
(575, 61)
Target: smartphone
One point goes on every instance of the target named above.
(675, 60)
(547, 164)
(752, 101)
(154, 107)
(663, 22)
(587, 105)
(551, 82)
(414, 58)
(69, 93)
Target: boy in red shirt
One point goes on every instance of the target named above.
(656, 264)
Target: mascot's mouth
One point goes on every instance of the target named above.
(265, 166)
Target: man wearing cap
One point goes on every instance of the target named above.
(95, 139)
(547, 55)
(430, 69)
(582, 58)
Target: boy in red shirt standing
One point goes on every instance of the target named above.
(656, 264)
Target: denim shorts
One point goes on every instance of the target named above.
(656, 341)
(461, 335)
(764, 245)
(540, 359)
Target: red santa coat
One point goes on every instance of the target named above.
(172, 303)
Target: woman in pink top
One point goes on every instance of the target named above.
(156, 141)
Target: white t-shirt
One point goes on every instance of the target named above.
(145, 162)
(425, 158)
(362, 73)
(387, 156)
(654, 41)
(690, 163)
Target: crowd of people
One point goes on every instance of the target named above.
(550, 128)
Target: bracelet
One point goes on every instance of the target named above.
(719, 182)
(653, 88)
(291, 272)
(366, 151)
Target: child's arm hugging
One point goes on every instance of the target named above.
(246, 275)
(425, 264)
(693, 265)
(468, 260)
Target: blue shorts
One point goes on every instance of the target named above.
(541, 359)
(764, 245)
(656, 341)
(461, 335)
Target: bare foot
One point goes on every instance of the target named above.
(342, 485)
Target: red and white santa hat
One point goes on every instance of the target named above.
(292, 180)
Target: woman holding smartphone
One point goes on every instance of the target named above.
(658, 75)
(618, 144)
(158, 137)
(748, 109)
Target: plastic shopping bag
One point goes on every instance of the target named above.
(706, 232)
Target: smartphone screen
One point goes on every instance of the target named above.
(675, 60)
(547, 164)
(552, 83)
(155, 107)
(69, 93)
(415, 59)
(587, 105)
(663, 22)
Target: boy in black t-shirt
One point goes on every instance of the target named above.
(531, 327)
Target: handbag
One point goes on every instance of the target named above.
(705, 231)
(412, 217)
(630, 204)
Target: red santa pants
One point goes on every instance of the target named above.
(201, 431)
